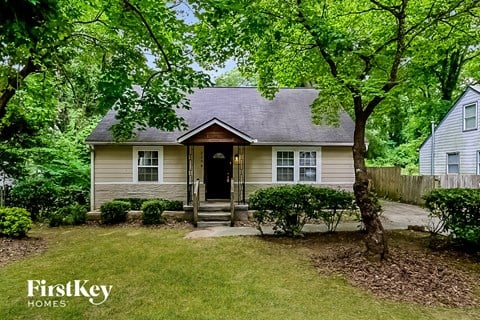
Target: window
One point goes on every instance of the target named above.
(308, 165)
(453, 163)
(285, 166)
(295, 165)
(147, 165)
(470, 117)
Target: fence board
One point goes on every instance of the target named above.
(390, 183)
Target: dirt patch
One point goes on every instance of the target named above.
(171, 223)
(413, 273)
(16, 249)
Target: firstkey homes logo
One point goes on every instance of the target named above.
(41, 294)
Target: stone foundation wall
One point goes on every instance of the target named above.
(108, 192)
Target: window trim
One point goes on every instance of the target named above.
(296, 164)
(458, 164)
(474, 104)
(478, 162)
(135, 151)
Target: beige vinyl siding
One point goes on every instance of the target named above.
(113, 164)
(337, 165)
(258, 162)
(174, 164)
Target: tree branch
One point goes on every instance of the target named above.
(150, 32)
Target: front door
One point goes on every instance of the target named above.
(218, 170)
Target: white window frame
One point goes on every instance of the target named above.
(473, 104)
(478, 162)
(296, 164)
(448, 164)
(159, 149)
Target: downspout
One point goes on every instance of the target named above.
(432, 160)
(92, 178)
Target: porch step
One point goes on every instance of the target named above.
(213, 216)
(208, 224)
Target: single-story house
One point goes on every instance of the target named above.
(234, 133)
(456, 139)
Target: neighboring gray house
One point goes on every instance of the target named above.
(234, 133)
(456, 139)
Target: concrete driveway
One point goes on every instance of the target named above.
(395, 216)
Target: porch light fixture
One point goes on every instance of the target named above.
(236, 158)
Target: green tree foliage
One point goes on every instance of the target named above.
(233, 78)
(357, 53)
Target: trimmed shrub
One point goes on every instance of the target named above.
(14, 222)
(152, 211)
(136, 203)
(290, 207)
(458, 211)
(331, 205)
(114, 212)
(73, 214)
(174, 205)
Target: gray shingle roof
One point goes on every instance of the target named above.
(286, 119)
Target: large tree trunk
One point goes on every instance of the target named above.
(376, 240)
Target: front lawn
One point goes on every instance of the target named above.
(157, 274)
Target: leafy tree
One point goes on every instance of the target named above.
(357, 53)
(233, 78)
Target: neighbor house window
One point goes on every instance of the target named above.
(295, 165)
(470, 117)
(478, 162)
(147, 164)
(453, 162)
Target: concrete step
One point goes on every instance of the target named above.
(208, 224)
(213, 216)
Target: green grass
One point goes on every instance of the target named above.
(156, 274)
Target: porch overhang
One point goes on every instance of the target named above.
(215, 131)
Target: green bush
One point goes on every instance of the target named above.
(331, 205)
(136, 203)
(14, 222)
(152, 211)
(73, 214)
(37, 196)
(174, 205)
(114, 212)
(290, 207)
(459, 213)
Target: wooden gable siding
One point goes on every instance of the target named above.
(450, 137)
(215, 134)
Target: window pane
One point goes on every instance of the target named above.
(141, 158)
(470, 123)
(284, 158)
(308, 174)
(453, 158)
(308, 159)
(470, 111)
(453, 168)
(284, 174)
(148, 174)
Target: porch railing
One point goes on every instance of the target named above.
(232, 202)
(196, 201)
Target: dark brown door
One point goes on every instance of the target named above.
(218, 170)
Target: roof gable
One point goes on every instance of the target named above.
(217, 131)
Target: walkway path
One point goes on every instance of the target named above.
(395, 216)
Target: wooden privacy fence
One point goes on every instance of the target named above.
(390, 183)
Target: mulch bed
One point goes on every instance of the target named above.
(411, 274)
(16, 249)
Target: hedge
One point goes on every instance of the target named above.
(290, 207)
(14, 222)
(458, 211)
